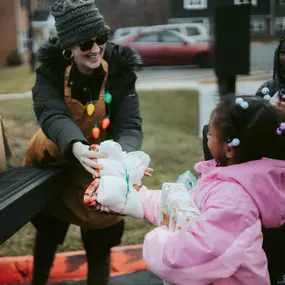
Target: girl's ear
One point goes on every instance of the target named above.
(230, 151)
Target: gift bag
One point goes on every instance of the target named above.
(178, 202)
(188, 179)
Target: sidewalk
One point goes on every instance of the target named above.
(258, 75)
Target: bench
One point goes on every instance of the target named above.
(24, 191)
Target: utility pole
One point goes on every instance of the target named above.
(272, 17)
(30, 36)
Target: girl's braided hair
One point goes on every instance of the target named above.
(255, 127)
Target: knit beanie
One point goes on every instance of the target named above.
(76, 21)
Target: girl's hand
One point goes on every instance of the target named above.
(148, 172)
(281, 109)
(137, 187)
(165, 221)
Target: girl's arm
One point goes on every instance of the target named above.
(151, 204)
(214, 247)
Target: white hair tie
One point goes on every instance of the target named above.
(234, 143)
(242, 103)
(265, 91)
(281, 129)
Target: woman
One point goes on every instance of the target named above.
(84, 93)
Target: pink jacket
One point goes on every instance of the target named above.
(224, 246)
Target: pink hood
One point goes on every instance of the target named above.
(263, 180)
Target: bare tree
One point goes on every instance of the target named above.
(123, 13)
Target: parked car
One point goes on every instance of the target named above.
(169, 48)
(122, 32)
(196, 31)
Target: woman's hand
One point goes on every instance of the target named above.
(87, 157)
(148, 173)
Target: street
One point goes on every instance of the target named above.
(137, 278)
(261, 67)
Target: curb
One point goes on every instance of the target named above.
(71, 265)
(264, 42)
(252, 77)
(213, 80)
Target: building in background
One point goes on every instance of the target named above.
(279, 16)
(268, 16)
(43, 26)
(9, 27)
(14, 23)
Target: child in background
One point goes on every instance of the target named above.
(277, 84)
(278, 80)
(240, 190)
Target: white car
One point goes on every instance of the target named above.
(123, 32)
(195, 31)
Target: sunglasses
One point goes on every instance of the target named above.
(88, 44)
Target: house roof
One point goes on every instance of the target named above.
(41, 15)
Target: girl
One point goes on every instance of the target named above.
(240, 190)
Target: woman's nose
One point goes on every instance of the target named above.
(95, 48)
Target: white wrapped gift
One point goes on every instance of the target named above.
(120, 172)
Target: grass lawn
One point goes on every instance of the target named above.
(17, 79)
(170, 138)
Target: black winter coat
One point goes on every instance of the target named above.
(55, 118)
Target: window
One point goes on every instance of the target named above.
(24, 3)
(175, 29)
(171, 38)
(253, 2)
(258, 25)
(192, 31)
(280, 23)
(44, 4)
(23, 41)
(147, 38)
(125, 33)
(195, 4)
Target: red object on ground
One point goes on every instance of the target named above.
(71, 265)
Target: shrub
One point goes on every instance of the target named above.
(14, 59)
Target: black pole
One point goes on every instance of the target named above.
(227, 85)
(30, 37)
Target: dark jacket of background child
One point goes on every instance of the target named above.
(278, 80)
